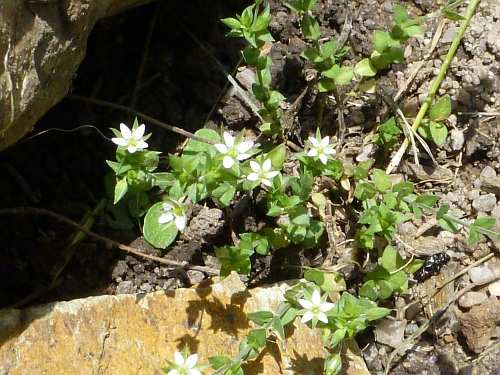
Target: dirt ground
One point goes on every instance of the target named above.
(61, 165)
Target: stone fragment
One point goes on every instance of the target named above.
(471, 299)
(479, 323)
(484, 203)
(137, 334)
(390, 332)
(480, 274)
(494, 289)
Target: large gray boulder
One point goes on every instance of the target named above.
(42, 42)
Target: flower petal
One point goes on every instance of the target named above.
(139, 132)
(312, 152)
(119, 141)
(173, 372)
(244, 146)
(228, 162)
(329, 151)
(243, 156)
(323, 158)
(316, 298)
(266, 166)
(222, 148)
(271, 174)
(132, 149)
(228, 139)
(165, 217)
(266, 182)
(321, 316)
(126, 133)
(253, 177)
(255, 167)
(179, 359)
(326, 306)
(141, 144)
(180, 222)
(191, 361)
(307, 317)
(305, 303)
(325, 142)
(314, 141)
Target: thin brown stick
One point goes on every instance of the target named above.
(141, 115)
(42, 211)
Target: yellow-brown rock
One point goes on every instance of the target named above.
(129, 334)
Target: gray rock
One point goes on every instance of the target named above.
(485, 203)
(471, 299)
(125, 287)
(41, 47)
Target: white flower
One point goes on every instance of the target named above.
(175, 211)
(132, 139)
(233, 151)
(321, 148)
(262, 172)
(185, 366)
(315, 307)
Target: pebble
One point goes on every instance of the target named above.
(480, 274)
(390, 332)
(471, 299)
(474, 194)
(457, 139)
(125, 287)
(485, 203)
(494, 288)
(495, 212)
(120, 269)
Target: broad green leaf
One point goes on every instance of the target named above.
(338, 336)
(377, 313)
(233, 23)
(427, 199)
(393, 54)
(391, 260)
(218, 361)
(260, 318)
(365, 68)
(381, 180)
(310, 28)
(403, 189)
(326, 85)
(441, 110)
(158, 235)
(443, 209)
(380, 41)
(400, 14)
(473, 235)
(439, 132)
(368, 290)
(277, 156)
(448, 225)
(120, 189)
(485, 222)
(279, 329)
(365, 190)
(414, 30)
(413, 266)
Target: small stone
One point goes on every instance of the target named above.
(457, 139)
(471, 299)
(495, 212)
(480, 274)
(125, 287)
(390, 332)
(479, 323)
(488, 172)
(119, 269)
(195, 277)
(474, 194)
(146, 287)
(494, 289)
(485, 203)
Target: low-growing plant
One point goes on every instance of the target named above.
(227, 166)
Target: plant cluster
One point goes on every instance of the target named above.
(228, 166)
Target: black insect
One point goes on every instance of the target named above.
(432, 266)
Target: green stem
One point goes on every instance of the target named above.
(442, 72)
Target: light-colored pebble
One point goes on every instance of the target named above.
(494, 289)
(471, 299)
(480, 274)
(485, 203)
(390, 332)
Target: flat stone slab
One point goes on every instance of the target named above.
(136, 334)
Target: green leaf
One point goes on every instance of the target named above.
(413, 266)
(400, 14)
(448, 225)
(368, 290)
(485, 222)
(391, 259)
(300, 216)
(278, 327)
(365, 68)
(442, 210)
(427, 199)
(380, 41)
(403, 189)
(439, 132)
(218, 361)
(414, 30)
(158, 235)
(326, 85)
(451, 15)
(377, 313)
(473, 235)
(381, 180)
(233, 23)
(310, 28)
(441, 110)
(393, 54)
(338, 336)
(365, 190)
(260, 318)
(277, 156)
(120, 189)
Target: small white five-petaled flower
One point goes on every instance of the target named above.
(233, 150)
(262, 172)
(132, 139)
(176, 211)
(184, 366)
(321, 148)
(316, 308)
